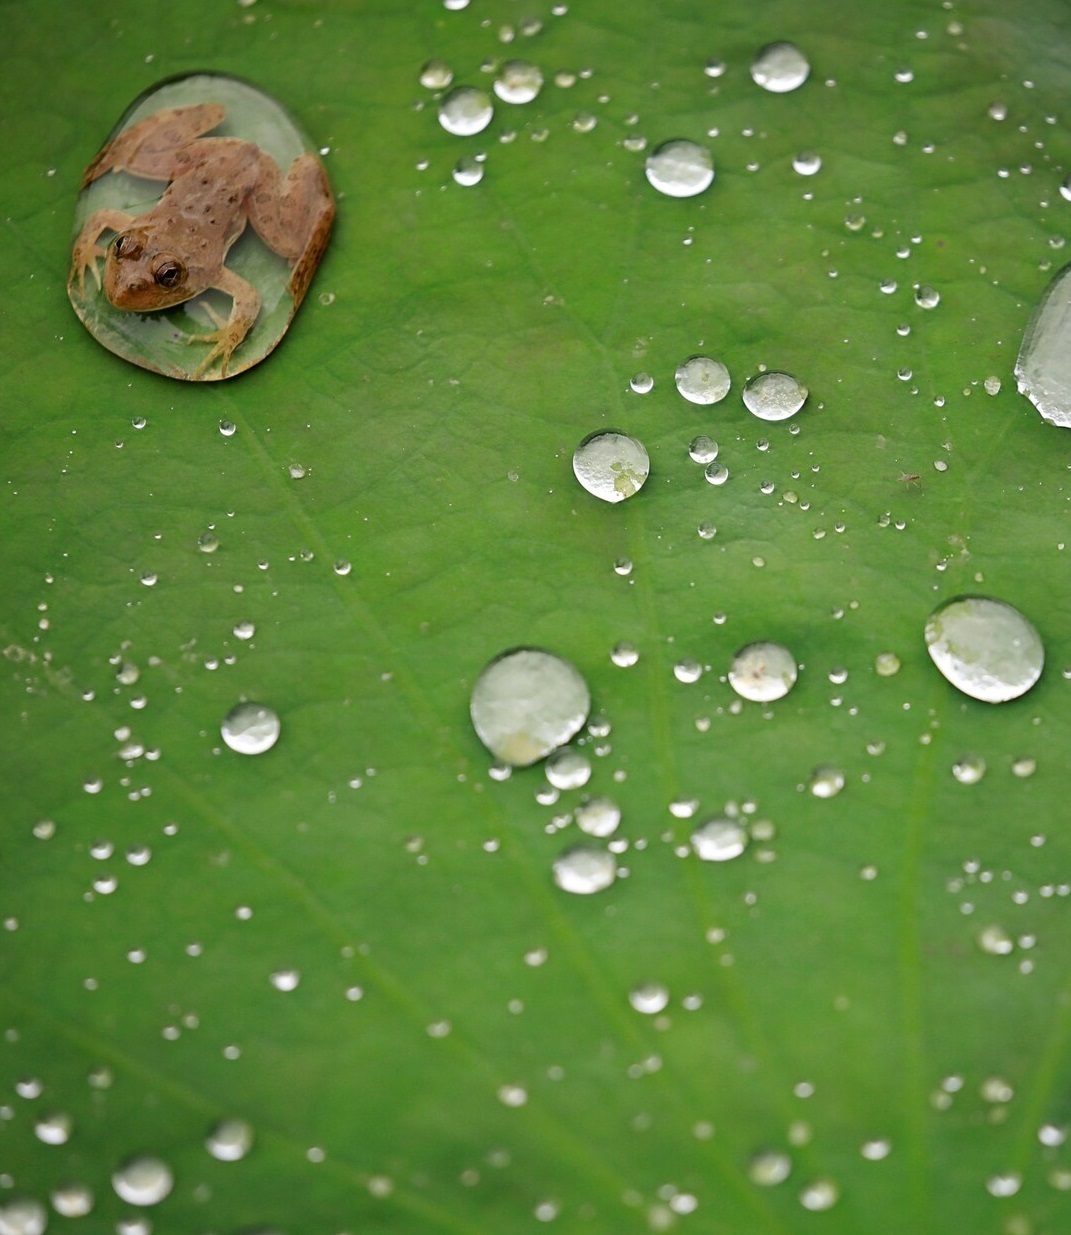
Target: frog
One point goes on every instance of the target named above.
(178, 248)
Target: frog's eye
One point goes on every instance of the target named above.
(169, 272)
(128, 246)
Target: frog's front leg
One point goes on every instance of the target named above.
(86, 249)
(148, 148)
(245, 306)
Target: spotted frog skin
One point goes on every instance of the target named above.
(178, 248)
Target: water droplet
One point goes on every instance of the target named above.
(703, 450)
(143, 1181)
(769, 1167)
(997, 111)
(584, 869)
(996, 941)
(716, 474)
(650, 998)
(969, 770)
(624, 654)
(780, 67)
(23, 1215)
(512, 1095)
(702, 380)
(876, 1150)
(598, 816)
(714, 68)
(774, 396)
(526, 703)
(623, 567)
(518, 82)
(820, 1195)
(285, 979)
(1024, 767)
(707, 531)
(1004, 1185)
(208, 542)
(54, 1129)
(436, 75)
(230, 1140)
(927, 297)
(763, 672)
(641, 383)
(826, 781)
(468, 171)
(466, 111)
(719, 840)
(70, 1201)
(807, 163)
(688, 671)
(611, 465)
(985, 648)
(1043, 368)
(568, 769)
(1052, 1135)
(250, 729)
(244, 630)
(680, 168)
(886, 664)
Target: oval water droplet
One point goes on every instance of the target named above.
(230, 1140)
(143, 1180)
(436, 75)
(807, 163)
(568, 769)
(250, 729)
(969, 770)
(466, 111)
(780, 67)
(526, 703)
(54, 1129)
(769, 1167)
(468, 171)
(820, 1195)
(583, 869)
(23, 1215)
(598, 816)
(1043, 368)
(703, 450)
(702, 380)
(680, 168)
(985, 648)
(285, 979)
(518, 81)
(611, 465)
(719, 840)
(763, 672)
(649, 998)
(826, 781)
(886, 664)
(641, 383)
(72, 1200)
(774, 396)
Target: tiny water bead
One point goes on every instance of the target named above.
(719, 840)
(584, 870)
(774, 396)
(927, 297)
(250, 729)
(820, 1195)
(466, 111)
(986, 648)
(54, 1129)
(143, 1180)
(230, 1140)
(650, 998)
(763, 672)
(716, 474)
(598, 816)
(780, 67)
(886, 664)
(996, 941)
(285, 980)
(610, 465)
(702, 380)
(680, 168)
(526, 703)
(518, 81)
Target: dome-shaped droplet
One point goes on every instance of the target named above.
(250, 729)
(649, 998)
(526, 703)
(702, 449)
(71, 1200)
(826, 781)
(230, 1140)
(585, 869)
(807, 163)
(568, 769)
(985, 648)
(763, 672)
(702, 380)
(598, 816)
(820, 1195)
(611, 465)
(780, 67)
(719, 840)
(54, 1129)
(23, 1215)
(774, 396)
(436, 74)
(468, 171)
(143, 1181)
(996, 941)
(1043, 368)
(769, 1167)
(518, 81)
(466, 111)
(680, 168)
(969, 770)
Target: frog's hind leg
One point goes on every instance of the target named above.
(148, 148)
(293, 214)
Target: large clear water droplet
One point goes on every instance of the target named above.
(985, 648)
(780, 67)
(143, 1181)
(763, 672)
(1043, 369)
(719, 840)
(611, 465)
(585, 869)
(466, 111)
(23, 1215)
(230, 1140)
(774, 396)
(250, 729)
(526, 703)
(702, 380)
(680, 168)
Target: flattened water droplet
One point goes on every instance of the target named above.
(769, 1167)
(584, 870)
(1043, 369)
(680, 168)
(526, 703)
(780, 67)
(230, 1140)
(649, 998)
(466, 111)
(702, 380)
(719, 840)
(598, 816)
(250, 729)
(763, 672)
(143, 1181)
(985, 648)
(774, 396)
(611, 465)
(518, 82)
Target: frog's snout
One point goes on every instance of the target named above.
(138, 279)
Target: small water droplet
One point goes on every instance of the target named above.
(763, 672)
(250, 729)
(703, 450)
(466, 111)
(71, 1200)
(285, 979)
(518, 81)
(820, 1195)
(969, 770)
(1052, 1135)
(807, 163)
(54, 1129)
(774, 396)
(649, 998)
(714, 68)
(244, 630)
(468, 171)
(780, 67)
(512, 1095)
(611, 465)
(996, 941)
(680, 168)
(876, 1150)
(641, 383)
(1004, 1185)
(623, 567)
(769, 1167)
(886, 664)
(568, 769)
(526, 703)
(688, 671)
(143, 1180)
(584, 869)
(436, 75)
(826, 781)
(927, 297)
(702, 380)
(719, 840)
(716, 474)
(624, 654)
(208, 542)
(985, 648)
(23, 1215)
(1024, 767)
(598, 816)
(230, 1140)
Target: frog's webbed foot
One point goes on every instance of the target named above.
(225, 342)
(230, 334)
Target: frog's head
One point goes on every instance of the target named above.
(140, 278)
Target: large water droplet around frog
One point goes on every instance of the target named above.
(985, 648)
(702, 380)
(1043, 369)
(774, 396)
(143, 1181)
(719, 840)
(585, 870)
(611, 465)
(250, 729)
(526, 703)
(763, 672)
(680, 168)
(780, 67)
(466, 111)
